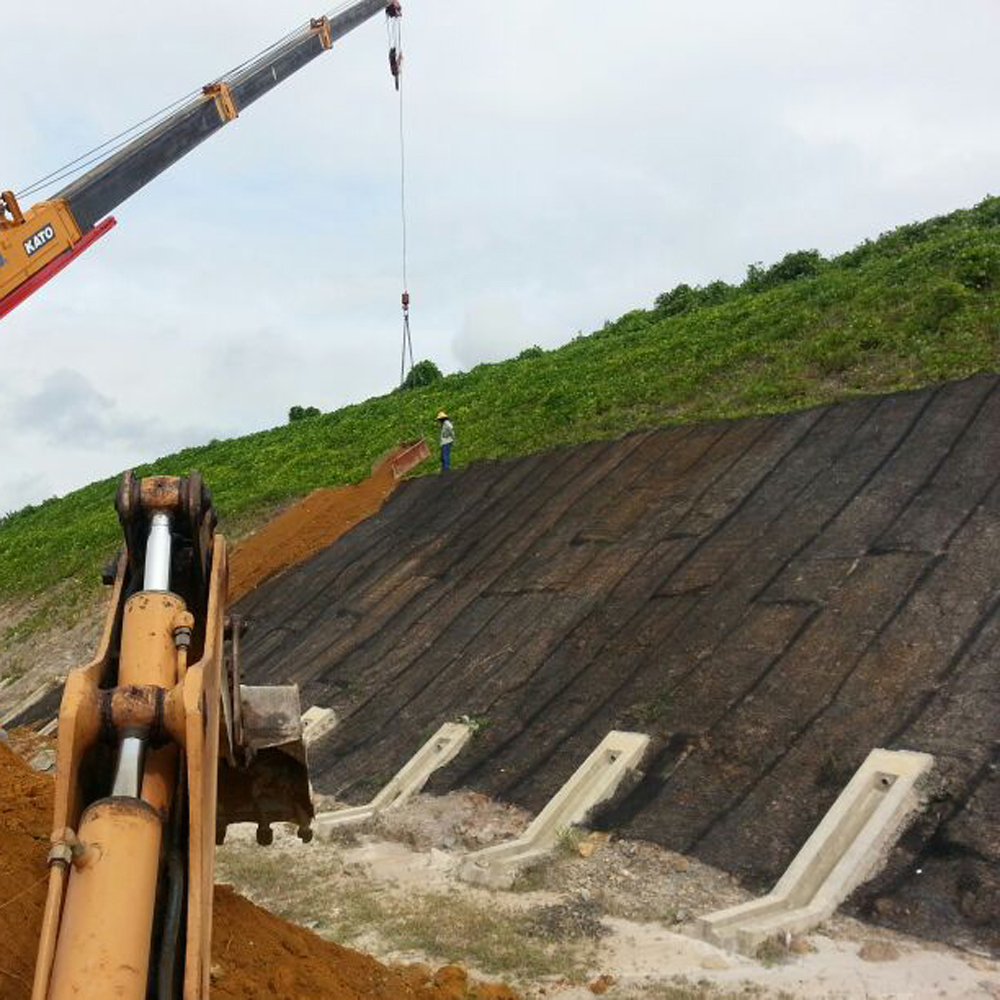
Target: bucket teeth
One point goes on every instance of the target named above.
(268, 781)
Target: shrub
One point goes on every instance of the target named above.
(791, 267)
(978, 267)
(678, 300)
(715, 293)
(684, 298)
(987, 211)
(530, 352)
(943, 299)
(302, 413)
(422, 373)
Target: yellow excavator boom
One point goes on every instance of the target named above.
(144, 730)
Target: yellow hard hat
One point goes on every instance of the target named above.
(441, 416)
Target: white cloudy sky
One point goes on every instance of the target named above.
(568, 161)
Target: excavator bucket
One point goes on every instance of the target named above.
(263, 771)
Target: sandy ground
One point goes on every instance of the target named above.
(616, 917)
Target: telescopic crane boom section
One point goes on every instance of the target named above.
(37, 243)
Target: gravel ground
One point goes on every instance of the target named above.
(613, 908)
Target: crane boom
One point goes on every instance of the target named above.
(39, 242)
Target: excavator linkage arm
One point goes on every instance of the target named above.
(141, 730)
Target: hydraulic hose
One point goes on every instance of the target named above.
(50, 929)
(166, 976)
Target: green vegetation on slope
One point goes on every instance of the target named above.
(920, 304)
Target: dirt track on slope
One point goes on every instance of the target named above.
(768, 598)
(254, 954)
(306, 527)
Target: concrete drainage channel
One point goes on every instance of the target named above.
(847, 848)
(435, 753)
(596, 780)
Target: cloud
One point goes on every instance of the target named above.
(494, 328)
(66, 407)
(62, 427)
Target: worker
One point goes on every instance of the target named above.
(447, 440)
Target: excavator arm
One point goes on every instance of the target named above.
(38, 242)
(147, 731)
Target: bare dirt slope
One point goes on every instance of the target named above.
(307, 526)
(769, 598)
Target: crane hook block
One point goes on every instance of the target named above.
(406, 301)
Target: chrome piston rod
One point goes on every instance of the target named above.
(128, 772)
(156, 576)
(157, 569)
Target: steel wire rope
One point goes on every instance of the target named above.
(57, 174)
(78, 165)
(394, 30)
(123, 138)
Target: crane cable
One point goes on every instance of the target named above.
(111, 146)
(394, 29)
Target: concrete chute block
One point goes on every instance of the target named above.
(317, 722)
(594, 781)
(848, 847)
(441, 748)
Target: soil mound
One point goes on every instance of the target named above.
(769, 599)
(254, 954)
(25, 820)
(306, 527)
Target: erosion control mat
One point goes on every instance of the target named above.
(308, 526)
(254, 953)
(769, 599)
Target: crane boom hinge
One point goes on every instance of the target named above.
(321, 25)
(223, 97)
(10, 212)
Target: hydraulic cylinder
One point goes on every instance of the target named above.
(107, 923)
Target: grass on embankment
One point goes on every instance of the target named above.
(919, 305)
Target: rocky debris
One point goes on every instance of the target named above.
(800, 946)
(44, 760)
(452, 982)
(457, 821)
(602, 984)
(639, 881)
(574, 920)
(878, 951)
